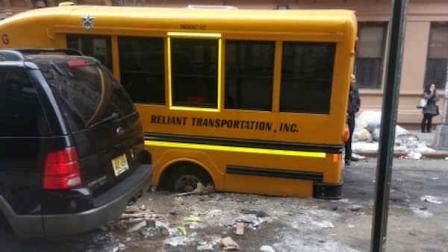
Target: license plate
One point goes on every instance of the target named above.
(120, 164)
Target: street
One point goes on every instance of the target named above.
(418, 218)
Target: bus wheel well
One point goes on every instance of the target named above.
(183, 177)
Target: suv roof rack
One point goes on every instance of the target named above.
(10, 55)
(29, 51)
(19, 54)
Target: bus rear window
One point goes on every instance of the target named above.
(307, 71)
(86, 92)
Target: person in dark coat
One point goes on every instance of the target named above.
(354, 103)
(431, 109)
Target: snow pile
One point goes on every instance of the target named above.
(367, 134)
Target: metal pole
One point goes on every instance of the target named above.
(388, 122)
(441, 141)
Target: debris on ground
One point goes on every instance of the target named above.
(179, 242)
(359, 157)
(192, 219)
(259, 214)
(137, 227)
(239, 229)
(251, 220)
(355, 208)
(431, 199)
(415, 155)
(199, 190)
(267, 248)
(204, 247)
(132, 209)
(210, 244)
(228, 244)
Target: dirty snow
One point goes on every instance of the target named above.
(421, 212)
(431, 199)
(367, 134)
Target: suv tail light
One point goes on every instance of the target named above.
(62, 170)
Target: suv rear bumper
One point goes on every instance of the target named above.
(115, 201)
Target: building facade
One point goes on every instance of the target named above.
(425, 58)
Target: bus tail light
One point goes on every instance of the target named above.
(62, 170)
(336, 158)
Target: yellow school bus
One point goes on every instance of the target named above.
(249, 101)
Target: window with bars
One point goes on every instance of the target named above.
(370, 54)
(437, 60)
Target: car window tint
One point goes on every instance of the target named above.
(21, 113)
(86, 92)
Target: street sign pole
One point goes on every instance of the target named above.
(441, 141)
(388, 122)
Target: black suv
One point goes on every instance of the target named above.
(71, 143)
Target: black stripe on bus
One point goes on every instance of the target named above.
(261, 144)
(276, 173)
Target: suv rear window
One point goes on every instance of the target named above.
(86, 91)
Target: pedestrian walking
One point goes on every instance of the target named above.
(354, 103)
(429, 107)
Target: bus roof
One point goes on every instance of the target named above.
(195, 19)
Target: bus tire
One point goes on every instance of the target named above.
(184, 176)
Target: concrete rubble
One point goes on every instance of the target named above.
(267, 248)
(232, 221)
(228, 244)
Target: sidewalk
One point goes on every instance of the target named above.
(428, 138)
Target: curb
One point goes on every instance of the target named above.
(429, 155)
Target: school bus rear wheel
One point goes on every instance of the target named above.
(186, 183)
(184, 177)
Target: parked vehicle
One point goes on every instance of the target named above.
(71, 143)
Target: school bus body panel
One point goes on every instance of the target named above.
(232, 168)
(216, 163)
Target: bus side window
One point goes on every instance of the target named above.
(249, 74)
(194, 72)
(307, 71)
(98, 47)
(142, 68)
